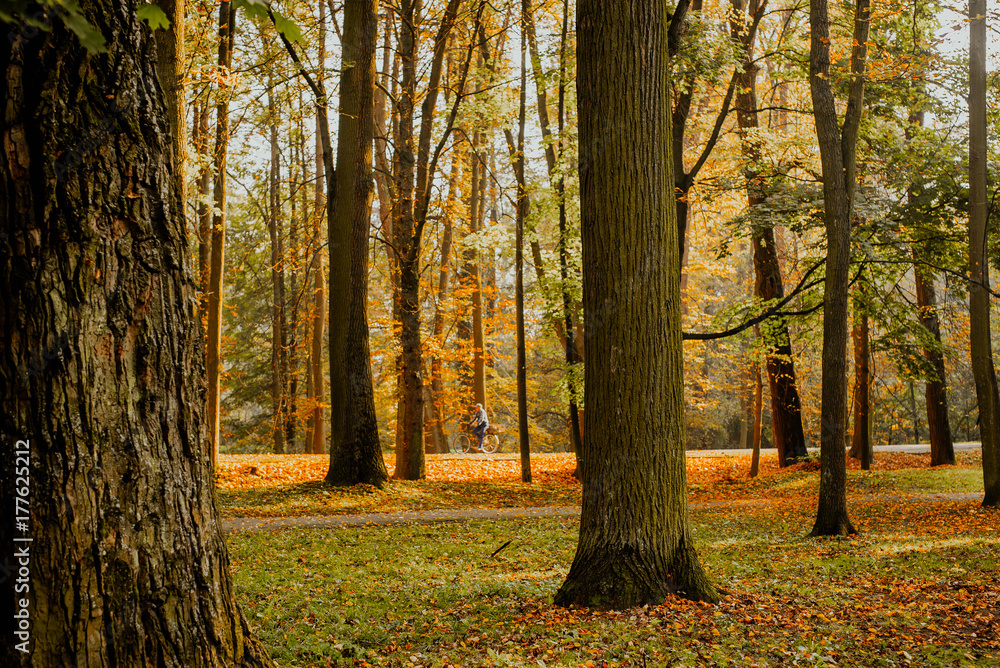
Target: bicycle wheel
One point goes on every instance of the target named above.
(465, 442)
(491, 443)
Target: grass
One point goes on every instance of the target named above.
(918, 587)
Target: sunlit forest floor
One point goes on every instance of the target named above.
(919, 585)
(292, 485)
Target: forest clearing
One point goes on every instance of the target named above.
(919, 585)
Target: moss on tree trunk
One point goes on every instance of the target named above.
(635, 543)
(128, 564)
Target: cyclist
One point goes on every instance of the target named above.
(480, 423)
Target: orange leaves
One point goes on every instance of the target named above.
(252, 471)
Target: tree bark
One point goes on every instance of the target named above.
(170, 63)
(758, 404)
(213, 356)
(277, 288)
(980, 345)
(128, 564)
(838, 156)
(935, 389)
(358, 457)
(786, 410)
(861, 439)
(414, 172)
(204, 214)
(316, 436)
(522, 215)
(635, 544)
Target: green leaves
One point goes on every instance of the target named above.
(258, 9)
(153, 16)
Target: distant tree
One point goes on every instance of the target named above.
(635, 544)
(786, 406)
(838, 153)
(128, 562)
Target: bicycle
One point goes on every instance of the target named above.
(469, 443)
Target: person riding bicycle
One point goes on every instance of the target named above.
(480, 423)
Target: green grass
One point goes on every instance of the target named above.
(911, 589)
(317, 498)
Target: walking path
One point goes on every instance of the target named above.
(231, 524)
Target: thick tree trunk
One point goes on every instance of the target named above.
(213, 353)
(786, 411)
(128, 565)
(635, 542)
(358, 457)
(980, 344)
(838, 157)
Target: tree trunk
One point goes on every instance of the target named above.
(635, 543)
(936, 393)
(758, 404)
(444, 282)
(170, 64)
(838, 157)
(277, 288)
(204, 214)
(522, 215)
(979, 269)
(786, 411)
(358, 457)
(414, 173)
(409, 419)
(861, 439)
(475, 215)
(128, 564)
(213, 354)
(316, 434)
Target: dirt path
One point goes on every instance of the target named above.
(231, 524)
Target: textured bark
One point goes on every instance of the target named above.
(979, 269)
(635, 543)
(409, 417)
(861, 438)
(838, 156)
(102, 368)
(358, 457)
(170, 62)
(213, 353)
